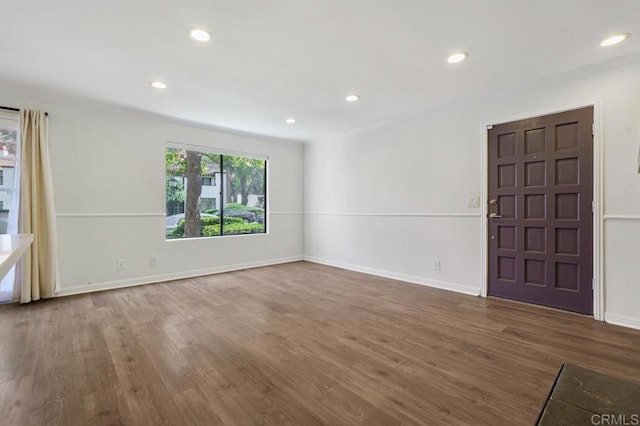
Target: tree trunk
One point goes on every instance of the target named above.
(228, 194)
(194, 189)
(244, 191)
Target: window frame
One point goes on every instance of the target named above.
(222, 153)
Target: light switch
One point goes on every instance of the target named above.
(473, 201)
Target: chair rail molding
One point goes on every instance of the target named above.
(391, 214)
(622, 217)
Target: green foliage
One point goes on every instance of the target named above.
(215, 220)
(209, 220)
(243, 228)
(178, 231)
(210, 226)
(233, 220)
(210, 164)
(244, 170)
(175, 234)
(175, 191)
(176, 162)
(236, 206)
(211, 231)
(211, 211)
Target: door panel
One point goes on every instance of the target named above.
(540, 205)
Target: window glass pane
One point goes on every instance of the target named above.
(192, 210)
(8, 193)
(175, 162)
(244, 195)
(8, 135)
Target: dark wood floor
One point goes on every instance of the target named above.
(292, 344)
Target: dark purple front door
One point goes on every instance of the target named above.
(540, 210)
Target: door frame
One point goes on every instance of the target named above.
(598, 187)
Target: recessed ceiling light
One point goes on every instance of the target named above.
(614, 39)
(352, 98)
(158, 85)
(457, 57)
(291, 120)
(198, 34)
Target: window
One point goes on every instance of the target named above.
(8, 135)
(9, 178)
(231, 205)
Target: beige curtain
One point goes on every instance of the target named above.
(37, 211)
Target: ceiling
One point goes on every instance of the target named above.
(269, 60)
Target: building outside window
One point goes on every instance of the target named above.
(207, 204)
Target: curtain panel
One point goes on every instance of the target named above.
(37, 210)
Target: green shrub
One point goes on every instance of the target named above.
(236, 206)
(210, 226)
(174, 235)
(209, 220)
(210, 211)
(178, 231)
(211, 231)
(243, 228)
(215, 220)
(229, 220)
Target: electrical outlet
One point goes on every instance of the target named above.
(120, 264)
(153, 261)
(436, 265)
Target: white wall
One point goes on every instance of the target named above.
(391, 200)
(109, 184)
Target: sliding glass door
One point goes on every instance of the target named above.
(9, 189)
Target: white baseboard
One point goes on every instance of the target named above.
(443, 285)
(623, 320)
(130, 282)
